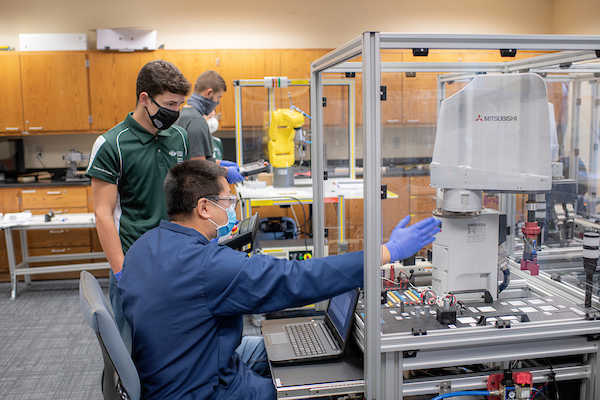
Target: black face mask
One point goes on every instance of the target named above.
(164, 117)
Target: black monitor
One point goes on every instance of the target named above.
(12, 159)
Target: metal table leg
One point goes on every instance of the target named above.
(25, 254)
(12, 264)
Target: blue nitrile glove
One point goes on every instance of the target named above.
(214, 240)
(404, 242)
(225, 163)
(118, 275)
(233, 175)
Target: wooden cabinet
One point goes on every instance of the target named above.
(11, 100)
(67, 199)
(55, 91)
(246, 64)
(113, 78)
(58, 238)
(422, 198)
(10, 200)
(295, 64)
(420, 92)
(411, 99)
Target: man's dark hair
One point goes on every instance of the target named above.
(188, 182)
(210, 80)
(160, 76)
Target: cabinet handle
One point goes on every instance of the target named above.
(58, 231)
(12, 128)
(35, 128)
(58, 250)
(53, 192)
(410, 121)
(59, 211)
(28, 191)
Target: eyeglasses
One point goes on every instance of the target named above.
(231, 201)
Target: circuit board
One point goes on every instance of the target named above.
(413, 316)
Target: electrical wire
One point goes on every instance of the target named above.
(40, 160)
(431, 300)
(539, 391)
(305, 220)
(453, 299)
(466, 393)
(296, 219)
(386, 279)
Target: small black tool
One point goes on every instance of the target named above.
(48, 217)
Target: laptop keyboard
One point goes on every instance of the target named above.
(304, 339)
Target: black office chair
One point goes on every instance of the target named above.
(120, 379)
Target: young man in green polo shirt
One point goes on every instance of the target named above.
(128, 165)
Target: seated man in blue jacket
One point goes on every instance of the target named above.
(184, 297)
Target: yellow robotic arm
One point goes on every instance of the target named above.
(284, 123)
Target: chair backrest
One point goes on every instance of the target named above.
(98, 315)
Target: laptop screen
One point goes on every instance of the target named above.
(341, 312)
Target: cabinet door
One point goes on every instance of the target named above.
(246, 64)
(392, 111)
(55, 92)
(295, 64)
(420, 92)
(58, 237)
(10, 200)
(11, 100)
(58, 198)
(113, 78)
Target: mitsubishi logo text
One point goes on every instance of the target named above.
(496, 118)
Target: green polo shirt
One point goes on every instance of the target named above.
(137, 162)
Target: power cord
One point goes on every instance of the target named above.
(552, 385)
(40, 160)
(305, 220)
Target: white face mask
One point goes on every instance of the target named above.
(213, 125)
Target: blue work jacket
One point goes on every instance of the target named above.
(185, 297)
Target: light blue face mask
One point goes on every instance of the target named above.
(225, 230)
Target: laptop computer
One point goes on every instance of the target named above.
(311, 339)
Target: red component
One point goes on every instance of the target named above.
(531, 229)
(523, 378)
(493, 383)
(531, 266)
(235, 229)
(392, 274)
(519, 378)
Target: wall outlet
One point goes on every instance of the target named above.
(39, 151)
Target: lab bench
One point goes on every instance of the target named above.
(62, 198)
(59, 225)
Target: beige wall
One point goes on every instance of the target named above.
(237, 24)
(577, 17)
